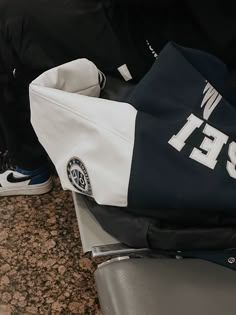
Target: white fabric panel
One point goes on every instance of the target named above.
(98, 132)
(78, 76)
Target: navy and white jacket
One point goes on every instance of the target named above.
(171, 144)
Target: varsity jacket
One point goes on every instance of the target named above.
(159, 169)
(170, 145)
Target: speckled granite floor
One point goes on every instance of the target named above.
(42, 268)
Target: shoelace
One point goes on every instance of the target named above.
(5, 162)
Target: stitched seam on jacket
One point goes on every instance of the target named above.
(85, 118)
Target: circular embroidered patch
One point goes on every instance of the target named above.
(78, 176)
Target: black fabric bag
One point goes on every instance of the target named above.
(209, 237)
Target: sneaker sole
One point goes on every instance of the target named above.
(38, 189)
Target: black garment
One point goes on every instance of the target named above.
(35, 38)
(17, 136)
(207, 25)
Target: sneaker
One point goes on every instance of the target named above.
(16, 181)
